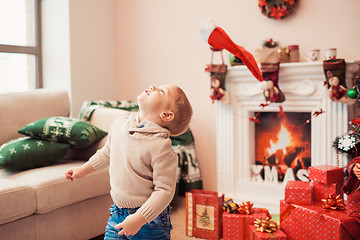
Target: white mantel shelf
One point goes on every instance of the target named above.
(302, 84)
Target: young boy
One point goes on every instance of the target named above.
(142, 164)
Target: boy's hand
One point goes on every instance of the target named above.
(79, 172)
(73, 173)
(131, 225)
(356, 170)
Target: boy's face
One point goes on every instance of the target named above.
(155, 100)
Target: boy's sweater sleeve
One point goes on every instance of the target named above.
(164, 179)
(101, 159)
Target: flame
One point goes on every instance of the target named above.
(283, 140)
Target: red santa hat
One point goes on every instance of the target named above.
(217, 38)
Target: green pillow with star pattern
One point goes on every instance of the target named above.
(26, 153)
(77, 133)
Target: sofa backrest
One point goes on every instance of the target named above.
(22, 108)
(101, 118)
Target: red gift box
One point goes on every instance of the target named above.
(353, 204)
(204, 214)
(322, 191)
(313, 222)
(278, 235)
(326, 174)
(298, 192)
(235, 225)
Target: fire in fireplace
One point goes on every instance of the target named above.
(282, 146)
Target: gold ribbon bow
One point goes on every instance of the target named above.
(265, 225)
(245, 207)
(333, 202)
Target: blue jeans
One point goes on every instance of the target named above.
(159, 228)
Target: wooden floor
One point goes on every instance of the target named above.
(178, 220)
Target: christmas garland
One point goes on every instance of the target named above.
(277, 8)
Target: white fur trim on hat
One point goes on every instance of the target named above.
(206, 28)
(264, 85)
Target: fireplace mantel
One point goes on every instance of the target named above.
(302, 84)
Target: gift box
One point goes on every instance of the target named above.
(326, 174)
(313, 222)
(255, 235)
(298, 192)
(321, 190)
(353, 204)
(204, 214)
(236, 225)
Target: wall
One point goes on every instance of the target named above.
(157, 42)
(78, 49)
(56, 44)
(93, 58)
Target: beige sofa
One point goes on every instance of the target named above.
(40, 203)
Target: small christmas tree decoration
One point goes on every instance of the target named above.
(349, 143)
(205, 218)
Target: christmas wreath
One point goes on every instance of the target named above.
(277, 8)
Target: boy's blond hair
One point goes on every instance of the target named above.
(183, 113)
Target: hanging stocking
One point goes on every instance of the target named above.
(270, 86)
(217, 77)
(335, 70)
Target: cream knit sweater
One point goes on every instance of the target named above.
(142, 165)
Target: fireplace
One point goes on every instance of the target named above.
(248, 172)
(283, 146)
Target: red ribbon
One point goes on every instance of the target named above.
(357, 123)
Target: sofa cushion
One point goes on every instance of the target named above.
(65, 130)
(17, 200)
(25, 153)
(54, 191)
